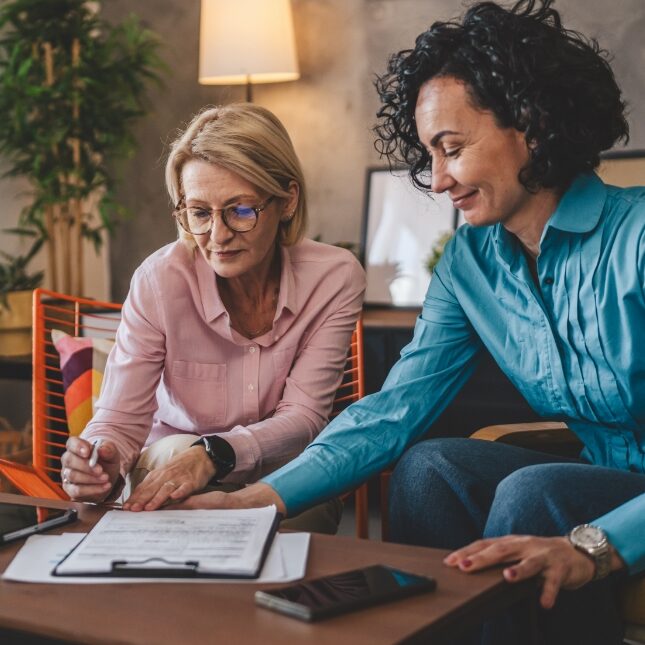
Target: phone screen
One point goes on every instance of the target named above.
(344, 591)
(17, 520)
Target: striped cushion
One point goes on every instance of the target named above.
(82, 363)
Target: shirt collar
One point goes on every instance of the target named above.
(212, 303)
(581, 206)
(288, 297)
(578, 211)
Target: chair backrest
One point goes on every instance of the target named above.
(352, 385)
(351, 389)
(80, 317)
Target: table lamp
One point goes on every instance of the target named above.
(246, 42)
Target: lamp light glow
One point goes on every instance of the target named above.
(246, 42)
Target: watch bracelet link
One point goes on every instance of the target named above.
(600, 553)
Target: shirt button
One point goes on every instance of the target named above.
(250, 387)
(548, 281)
(252, 349)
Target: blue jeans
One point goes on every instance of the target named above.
(446, 493)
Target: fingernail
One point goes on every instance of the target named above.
(466, 563)
(511, 573)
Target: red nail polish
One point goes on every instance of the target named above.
(466, 563)
(512, 573)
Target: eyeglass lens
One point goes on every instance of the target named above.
(238, 218)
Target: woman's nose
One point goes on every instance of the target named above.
(220, 233)
(440, 179)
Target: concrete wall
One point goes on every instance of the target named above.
(329, 112)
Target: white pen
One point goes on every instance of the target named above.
(94, 455)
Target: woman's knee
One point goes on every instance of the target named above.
(530, 501)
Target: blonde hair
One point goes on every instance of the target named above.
(251, 141)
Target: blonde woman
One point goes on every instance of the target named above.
(233, 338)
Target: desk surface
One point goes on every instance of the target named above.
(198, 613)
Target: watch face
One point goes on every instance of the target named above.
(587, 536)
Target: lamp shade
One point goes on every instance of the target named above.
(246, 41)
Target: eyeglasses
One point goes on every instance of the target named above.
(240, 218)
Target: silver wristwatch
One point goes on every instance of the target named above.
(593, 542)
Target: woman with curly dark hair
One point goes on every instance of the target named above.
(507, 112)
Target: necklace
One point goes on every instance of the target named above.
(240, 315)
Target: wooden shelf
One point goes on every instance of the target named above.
(390, 317)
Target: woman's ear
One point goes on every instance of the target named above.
(291, 202)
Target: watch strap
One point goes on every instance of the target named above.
(220, 452)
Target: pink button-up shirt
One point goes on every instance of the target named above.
(178, 366)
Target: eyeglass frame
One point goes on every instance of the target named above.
(256, 209)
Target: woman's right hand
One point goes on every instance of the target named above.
(80, 481)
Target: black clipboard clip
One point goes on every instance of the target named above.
(162, 569)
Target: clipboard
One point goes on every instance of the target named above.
(162, 566)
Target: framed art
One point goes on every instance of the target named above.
(401, 226)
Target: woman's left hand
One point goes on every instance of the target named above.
(552, 558)
(182, 476)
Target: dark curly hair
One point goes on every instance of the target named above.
(552, 84)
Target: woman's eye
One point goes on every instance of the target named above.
(452, 153)
(243, 211)
(198, 213)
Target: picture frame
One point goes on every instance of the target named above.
(401, 225)
(623, 168)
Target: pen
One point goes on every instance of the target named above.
(94, 455)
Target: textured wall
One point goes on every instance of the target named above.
(329, 112)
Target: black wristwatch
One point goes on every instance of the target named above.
(220, 452)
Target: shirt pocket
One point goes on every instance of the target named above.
(201, 390)
(283, 360)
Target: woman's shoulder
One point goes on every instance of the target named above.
(319, 261)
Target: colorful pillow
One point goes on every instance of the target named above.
(82, 363)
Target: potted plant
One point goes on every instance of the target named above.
(71, 86)
(437, 250)
(16, 287)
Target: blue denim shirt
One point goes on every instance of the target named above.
(571, 347)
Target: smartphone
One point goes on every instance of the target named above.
(19, 520)
(343, 592)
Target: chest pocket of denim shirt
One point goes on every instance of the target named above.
(201, 390)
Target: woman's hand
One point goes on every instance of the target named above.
(553, 558)
(80, 481)
(184, 474)
(253, 496)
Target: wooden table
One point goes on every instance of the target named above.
(183, 614)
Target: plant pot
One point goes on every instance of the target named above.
(15, 324)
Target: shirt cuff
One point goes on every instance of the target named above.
(625, 527)
(301, 484)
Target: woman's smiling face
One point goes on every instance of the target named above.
(474, 161)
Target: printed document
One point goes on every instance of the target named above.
(206, 542)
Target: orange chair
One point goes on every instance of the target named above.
(351, 389)
(76, 317)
